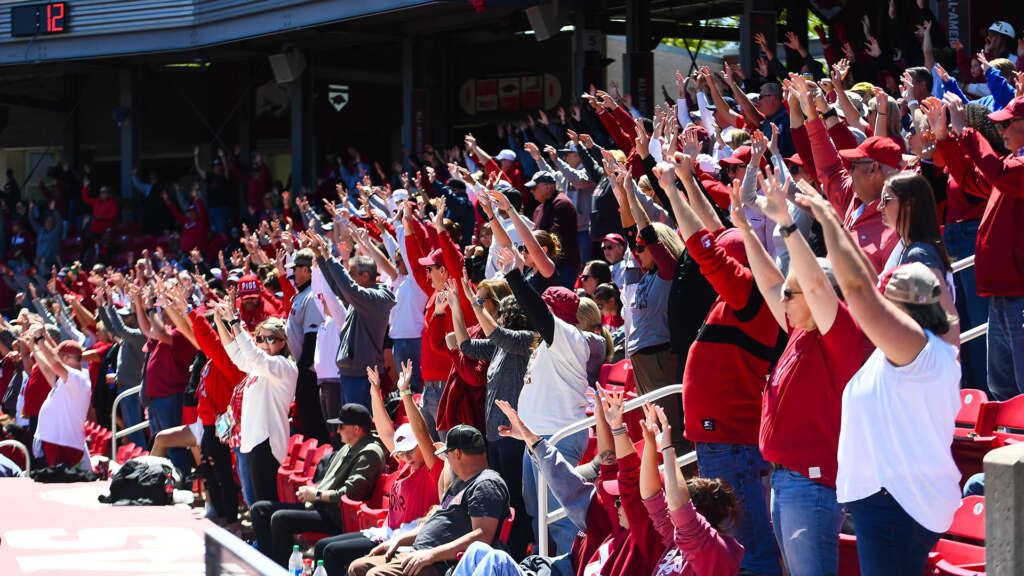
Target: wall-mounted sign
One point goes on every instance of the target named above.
(510, 93)
(32, 19)
(337, 94)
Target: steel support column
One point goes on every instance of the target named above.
(125, 102)
(638, 64)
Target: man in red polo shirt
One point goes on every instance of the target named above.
(854, 191)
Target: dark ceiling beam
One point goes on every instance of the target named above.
(660, 30)
(690, 12)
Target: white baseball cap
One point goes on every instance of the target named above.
(506, 154)
(405, 440)
(1003, 28)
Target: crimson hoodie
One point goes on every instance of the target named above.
(219, 376)
(733, 354)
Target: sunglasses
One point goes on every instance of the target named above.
(521, 249)
(884, 199)
(267, 339)
(618, 502)
(640, 249)
(585, 276)
(1006, 123)
(433, 266)
(607, 246)
(788, 294)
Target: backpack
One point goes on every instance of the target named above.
(141, 482)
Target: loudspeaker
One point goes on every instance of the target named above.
(287, 66)
(544, 20)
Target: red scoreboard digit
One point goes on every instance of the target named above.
(33, 19)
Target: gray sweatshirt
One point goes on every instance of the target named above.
(130, 357)
(366, 324)
(507, 353)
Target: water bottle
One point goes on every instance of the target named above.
(307, 567)
(295, 562)
(169, 488)
(320, 570)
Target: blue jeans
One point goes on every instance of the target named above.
(807, 519)
(218, 218)
(131, 414)
(482, 560)
(429, 402)
(355, 390)
(409, 349)
(563, 532)
(889, 541)
(1005, 347)
(741, 467)
(166, 413)
(583, 239)
(960, 239)
(243, 474)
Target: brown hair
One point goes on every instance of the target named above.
(917, 212)
(550, 243)
(715, 501)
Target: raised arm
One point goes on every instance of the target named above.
(381, 421)
(541, 262)
(697, 213)
(533, 305)
(767, 275)
(891, 329)
(416, 421)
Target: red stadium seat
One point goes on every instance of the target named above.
(619, 374)
(973, 438)
(966, 554)
(970, 409)
(371, 517)
(506, 526)
(295, 461)
(309, 467)
(349, 514)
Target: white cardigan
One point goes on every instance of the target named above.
(265, 400)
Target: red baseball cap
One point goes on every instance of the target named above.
(1013, 109)
(740, 156)
(614, 239)
(70, 347)
(882, 150)
(435, 258)
(249, 286)
(795, 160)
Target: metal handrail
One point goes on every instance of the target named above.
(962, 264)
(113, 420)
(24, 450)
(542, 485)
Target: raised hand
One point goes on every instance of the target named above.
(643, 140)
(688, 139)
(957, 113)
(683, 165)
(980, 57)
(792, 42)
(612, 401)
(374, 377)
(761, 41)
(517, 428)
(943, 75)
(405, 376)
(773, 144)
(739, 216)
(773, 204)
(935, 111)
(872, 47)
(808, 198)
(758, 146)
(762, 66)
(656, 426)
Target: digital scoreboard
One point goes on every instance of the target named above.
(33, 19)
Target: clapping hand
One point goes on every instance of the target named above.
(612, 402)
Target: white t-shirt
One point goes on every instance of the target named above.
(554, 390)
(491, 267)
(62, 415)
(896, 432)
(269, 390)
(325, 357)
(406, 320)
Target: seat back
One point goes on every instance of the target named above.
(313, 458)
(1005, 420)
(382, 491)
(506, 526)
(371, 517)
(969, 520)
(618, 374)
(970, 407)
(967, 551)
(294, 446)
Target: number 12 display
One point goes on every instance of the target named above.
(32, 19)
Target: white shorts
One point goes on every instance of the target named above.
(196, 428)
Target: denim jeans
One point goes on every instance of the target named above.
(505, 456)
(355, 390)
(131, 414)
(807, 519)
(586, 246)
(166, 413)
(741, 467)
(563, 532)
(1005, 347)
(242, 463)
(960, 239)
(218, 218)
(889, 541)
(482, 560)
(409, 349)
(430, 400)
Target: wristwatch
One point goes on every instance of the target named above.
(318, 494)
(785, 231)
(829, 113)
(235, 322)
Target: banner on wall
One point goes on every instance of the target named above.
(509, 93)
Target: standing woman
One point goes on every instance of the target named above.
(269, 389)
(902, 495)
(908, 205)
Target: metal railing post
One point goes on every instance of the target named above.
(24, 450)
(543, 517)
(115, 433)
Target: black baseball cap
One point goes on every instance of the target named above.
(354, 414)
(463, 437)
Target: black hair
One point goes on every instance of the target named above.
(922, 74)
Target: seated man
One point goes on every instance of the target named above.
(353, 472)
(472, 510)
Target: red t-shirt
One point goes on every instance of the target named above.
(413, 493)
(802, 404)
(612, 321)
(168, 364)
(36, 391)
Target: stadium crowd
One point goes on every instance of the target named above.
(779, 244)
